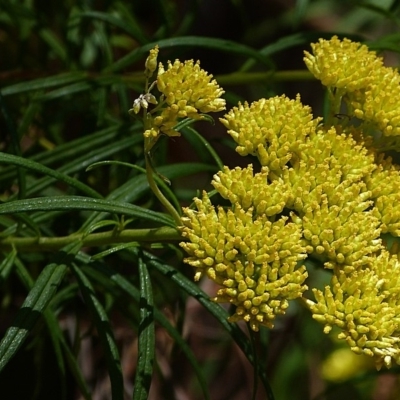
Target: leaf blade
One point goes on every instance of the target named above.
(66, 203)
(146, 340)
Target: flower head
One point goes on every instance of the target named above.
(378, 102)
(241, 186)
(370, 90)
(384, 185)
(365, 306)
(272, 129)
(187, 90)
(342, 64)
(253, 259)
(343, 234)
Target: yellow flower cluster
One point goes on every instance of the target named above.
(253, 259)
(324, 191)
(342, 64)
(366, 307)
(370, 90)
(272, 129)
(186, 92)
(241, 186)
(189, 87)
(384, 184)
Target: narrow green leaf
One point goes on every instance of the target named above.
(161, 181)
(73, 88)
(131, 20)
(28, 221)
(131, 29)
(104, 330)
(288, 42)
(300, 11)
(54, 43)
(80, 163)
(65, 203)
(44, 83)
(134, 188)
(74, 368)
(82, 145)
(146, 340)
(34, 166)
(6, 265)
(29, 114)
(23, 274)
(113, 250)
(225, 46)
(54, 332)
(38, 297)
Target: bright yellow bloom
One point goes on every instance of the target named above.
(343, 234)
(190, 87)
(241, 186)
(188, 90)
(370, 90)
(366, 307)
(330, 161)
(342, 64)
(384, 185)
(274, 130)
(253, 259)
(378, 103)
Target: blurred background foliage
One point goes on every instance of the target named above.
(69, 72)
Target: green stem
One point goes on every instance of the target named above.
(335, 97)
(163, 200)
(95, 239)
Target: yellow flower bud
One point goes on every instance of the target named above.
(151, 62)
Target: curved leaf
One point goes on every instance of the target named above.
(105, 332)
(290, 41)
(64, 152)
(44, 83)
(129, 27)
(66, 203)
(146, 340)
(7, 264)
(31, 310)
(80, 163)
(225, 46)
(34, 166)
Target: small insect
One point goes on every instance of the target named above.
(342, 116)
